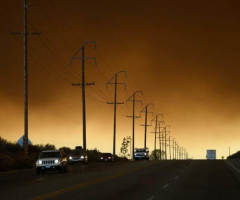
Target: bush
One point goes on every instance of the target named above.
(234, 156)
(12, 155)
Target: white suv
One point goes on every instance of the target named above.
(51, 160)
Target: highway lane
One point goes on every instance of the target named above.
(203, 180)
(144, 180)
(107, 182)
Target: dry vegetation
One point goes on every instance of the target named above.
(12, 155)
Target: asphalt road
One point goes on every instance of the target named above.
(143, 180)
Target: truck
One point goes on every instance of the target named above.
(141, 154)
(211, 154)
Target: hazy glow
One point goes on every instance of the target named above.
(183, 55)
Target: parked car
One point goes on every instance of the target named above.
(51, 160)
(78, 156)
(141, 154)
(106, 157)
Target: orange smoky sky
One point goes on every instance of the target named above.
(184, 56)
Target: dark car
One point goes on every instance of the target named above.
(106, 157)
(78, 156)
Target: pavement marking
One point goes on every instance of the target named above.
(151, 198)
(176, 177)
(165, 186)
(51, 195)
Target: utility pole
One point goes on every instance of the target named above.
(160, 138)
(165, 142)
(145, 110)
(132, 98)
(155, 134)
(169, 142)
(155, 139)
(116, 83)
(25, 33)
(177, 153)
(160, 146)
(173, 148)
(180, 153)
(176, 149)
(83, 84)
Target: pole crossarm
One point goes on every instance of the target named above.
(80, 84)
(130, 116)
(22, 34)
(115, 103)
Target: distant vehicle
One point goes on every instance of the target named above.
(78, 156)
(51, 160)
(141, 154)
(211, 154)
(106, 157)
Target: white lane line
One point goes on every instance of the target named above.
(151, 198)
(176, 177)
(165, 186)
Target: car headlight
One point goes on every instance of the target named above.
(70, 157)
(39, 162)
(101, 157)
(82, 157)
(56, 161)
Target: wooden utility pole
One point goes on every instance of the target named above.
(173, 146)
(165, 142)
(176, 157)
(115, 83)
(155, 137)
(25, 34)
(160, 141)
(146, 111)
(169, 142)
(155, 133)
(83, 84)
(132, 98)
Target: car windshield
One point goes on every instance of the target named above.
(77, 153)
(140, 150)
(49, 155)
(106, 154)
